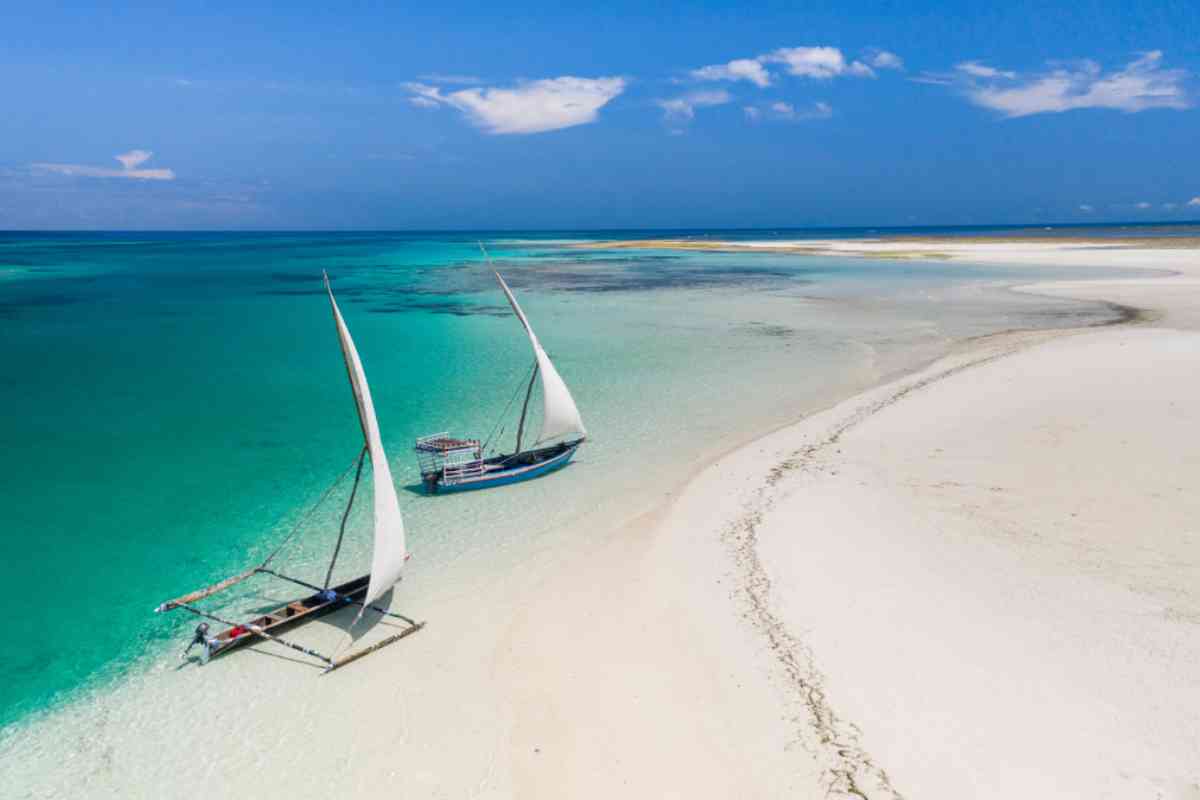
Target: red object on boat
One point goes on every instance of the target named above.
(236, 632)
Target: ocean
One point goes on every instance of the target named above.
(175, 403)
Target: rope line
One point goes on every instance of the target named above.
(362, 458)
(311, 510)
(504, 413)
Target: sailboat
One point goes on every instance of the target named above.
(387, 560)
(451, 464)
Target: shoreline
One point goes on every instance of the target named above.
(655, 667)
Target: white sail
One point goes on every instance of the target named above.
(560, 416)
(389, 554)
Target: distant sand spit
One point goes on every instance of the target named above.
(913, 247)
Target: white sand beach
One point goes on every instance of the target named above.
(981, 580)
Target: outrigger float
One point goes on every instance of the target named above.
(387, 560)
(450, 464)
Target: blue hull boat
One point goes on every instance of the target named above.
(501, 470)
(449, 464)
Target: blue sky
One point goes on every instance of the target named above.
(378, 115)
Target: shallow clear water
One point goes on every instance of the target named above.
(174, 403)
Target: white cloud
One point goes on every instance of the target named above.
(883, 59)
(1142, 205)
(129, 168)
(530, 107)
(817, 62)
(683, 109)
(1142, 84)
(786, 111)
(977, 70)
(1085, 208)
(133, 158)
(740, 69)
(1195, 201)
(821, 63)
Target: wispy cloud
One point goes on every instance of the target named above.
(1194, 202)
(130, 163)
(740, 69)
(678, 111)
(977, 70)
(1085, 208)
(788, 112)
(883, 59)
(1143, 205)
(529, 107)
(1140, 85)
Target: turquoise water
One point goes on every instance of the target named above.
(174, 403)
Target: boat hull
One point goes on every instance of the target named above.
(503, 477)
(288, 615)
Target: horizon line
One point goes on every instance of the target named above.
(697, 229)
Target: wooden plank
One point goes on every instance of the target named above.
(200, 594)
(357, 654)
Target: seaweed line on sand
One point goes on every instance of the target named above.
(849, 770)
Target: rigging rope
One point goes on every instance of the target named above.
(200, 594)
(504, 413)
(362, 458)
(310, 511)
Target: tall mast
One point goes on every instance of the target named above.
(525, 408)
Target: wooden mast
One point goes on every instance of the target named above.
(337, 548)
(525, 408)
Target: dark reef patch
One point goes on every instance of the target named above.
(14, 305)
(453, 309)
(768, 329)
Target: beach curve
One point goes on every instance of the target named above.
(1168, 321)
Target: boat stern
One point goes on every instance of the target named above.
(444, 459)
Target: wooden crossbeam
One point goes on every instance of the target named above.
(357, 654)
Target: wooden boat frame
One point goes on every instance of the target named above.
(268, 626)
(288, 615)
